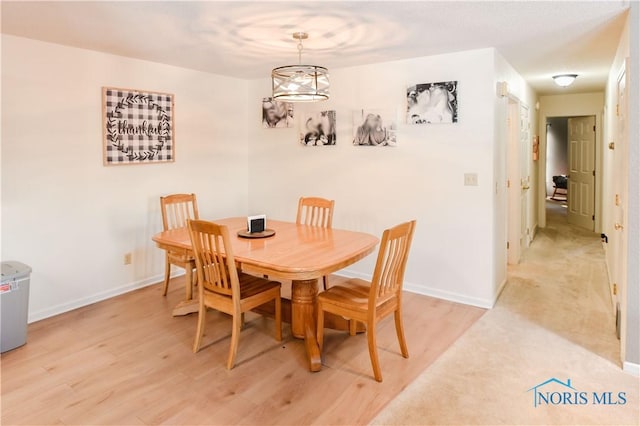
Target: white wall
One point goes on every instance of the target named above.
(71, 218)
(375, 188)
(571, 106)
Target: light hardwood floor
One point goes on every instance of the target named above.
(128, 361)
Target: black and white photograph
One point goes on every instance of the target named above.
(433, 103)
(277, 114)
(375, 127)
(318, 128)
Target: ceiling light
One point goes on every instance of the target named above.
(300, 83)
(564, 80)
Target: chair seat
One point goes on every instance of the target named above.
(353, 293)
(251, 285)
(180, 258)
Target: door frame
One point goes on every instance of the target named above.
(569, 111)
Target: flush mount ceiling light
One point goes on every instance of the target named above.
(564, 80)
(300, 83)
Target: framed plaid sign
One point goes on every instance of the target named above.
(137, 127)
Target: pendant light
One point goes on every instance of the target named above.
(300, 83)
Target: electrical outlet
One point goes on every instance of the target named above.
(470, 179)
(127, 258)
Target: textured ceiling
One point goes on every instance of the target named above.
(247, 39)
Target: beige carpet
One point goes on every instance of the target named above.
(553, 320)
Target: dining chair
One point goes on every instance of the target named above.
(176, 210)
(361, 301)
(223, 287)
(315, 211)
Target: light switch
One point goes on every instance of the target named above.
(470, 179)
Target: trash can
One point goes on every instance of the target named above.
(14, 305)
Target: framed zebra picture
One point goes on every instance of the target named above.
(137, 127)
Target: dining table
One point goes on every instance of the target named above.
(296, 252)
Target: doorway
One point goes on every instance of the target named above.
(571, 168)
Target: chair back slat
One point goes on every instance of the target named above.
(314, 211)
(215, 263)
(388, 276)
(177, 209)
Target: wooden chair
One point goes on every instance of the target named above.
(314, 211)
(177, 209)
(560, 184)
(223, 288)
(366, 302)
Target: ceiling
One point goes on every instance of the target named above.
(248, 38)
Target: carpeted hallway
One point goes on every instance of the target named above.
(553, 320)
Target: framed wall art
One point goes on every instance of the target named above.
(277, 114)
(433, 103)
(137, 127)
(318, 128)
(375, 127)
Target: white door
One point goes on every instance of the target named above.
(582, 171)
(514, 215)
(525, 179)
(617, 256)
(518, 181)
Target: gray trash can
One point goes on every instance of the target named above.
(14, 305)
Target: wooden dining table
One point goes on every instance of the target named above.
(299, 253)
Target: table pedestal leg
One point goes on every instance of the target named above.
(303, 318)
(189, 305)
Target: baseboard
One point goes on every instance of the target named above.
(427, 291)
(609, 278)
(107, 294)
(631, 368)
(98, 297)
(499, 292)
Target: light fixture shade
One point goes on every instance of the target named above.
(300, 83)
(564, 80)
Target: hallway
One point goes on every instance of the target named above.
(553, 319)
(562, 285)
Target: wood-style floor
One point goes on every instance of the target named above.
(127, 361)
